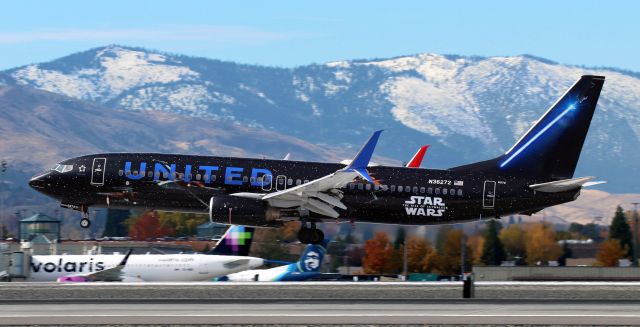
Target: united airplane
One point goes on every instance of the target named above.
(535, 173)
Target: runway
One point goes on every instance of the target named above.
(370, 303)
(296, 312)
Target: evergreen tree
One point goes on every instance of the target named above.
(441, 237)
(400, 236)
(493, 252)
(115, 222)
(620, 230)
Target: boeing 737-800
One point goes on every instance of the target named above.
(535, 173)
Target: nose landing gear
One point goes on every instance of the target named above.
(85, 222)
(310, 234)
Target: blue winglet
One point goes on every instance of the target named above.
(361, 161)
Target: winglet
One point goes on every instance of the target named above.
(417, 158)
(361, 161)
(126, 258)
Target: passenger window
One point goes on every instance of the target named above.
(150, 174)
(205, 177)
(368, 187)
(422, 190)
(407, 189)
(459, 192)
(120, 172)
(180, 176)
(393, 188)
(298, 182)
(415, 189)
(360, 186)
(213, 178)
(352, 186)
(245, 179)
(385, 188)
(438, 190)
(128, 172)
(400, 188)
(444, 191)
(306, 181)
(253, 180)
(290, 181)
(376, 187)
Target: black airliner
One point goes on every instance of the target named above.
(537, 172)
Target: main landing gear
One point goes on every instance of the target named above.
(310, 234)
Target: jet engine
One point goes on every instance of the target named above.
(248, 212)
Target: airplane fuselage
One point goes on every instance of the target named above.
(186, 183)
(150, 267)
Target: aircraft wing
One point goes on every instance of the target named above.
(113, 274)
(565, 184)
(322, 195)
(236, 263)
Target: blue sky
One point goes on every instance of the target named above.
(291, 33)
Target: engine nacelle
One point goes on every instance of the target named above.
(248, 212)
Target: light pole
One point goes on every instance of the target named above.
(635, 233)
(3, 170)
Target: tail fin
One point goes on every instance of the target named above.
(311, 259)
(551, 148)
(236, 241)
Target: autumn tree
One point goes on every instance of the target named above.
(492, 251)
(620, 230)
(418, 252)
(378, 250)
(541, 244)
(183, 224)
(267, 243)
(513, 239)
(609, 252)
(147, 226)
(476, 243)
(448, 261)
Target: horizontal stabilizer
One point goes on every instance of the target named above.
(588, 184)
(562, 185)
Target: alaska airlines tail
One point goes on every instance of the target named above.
(236, 241)
(550, 149)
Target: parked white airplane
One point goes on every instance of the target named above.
(150, 267)
(308, 266)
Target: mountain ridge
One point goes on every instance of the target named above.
(470, 108)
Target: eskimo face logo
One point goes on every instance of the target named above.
(312, 261)
(424, 206)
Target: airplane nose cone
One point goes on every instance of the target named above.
(38, 182)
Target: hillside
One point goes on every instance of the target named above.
(468, 108)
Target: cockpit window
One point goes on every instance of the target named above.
(62, 168)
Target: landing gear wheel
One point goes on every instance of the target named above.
(317, 236)
(304, 235)
(310, 235)
(85, 223)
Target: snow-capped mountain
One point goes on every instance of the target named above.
(468, 108)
